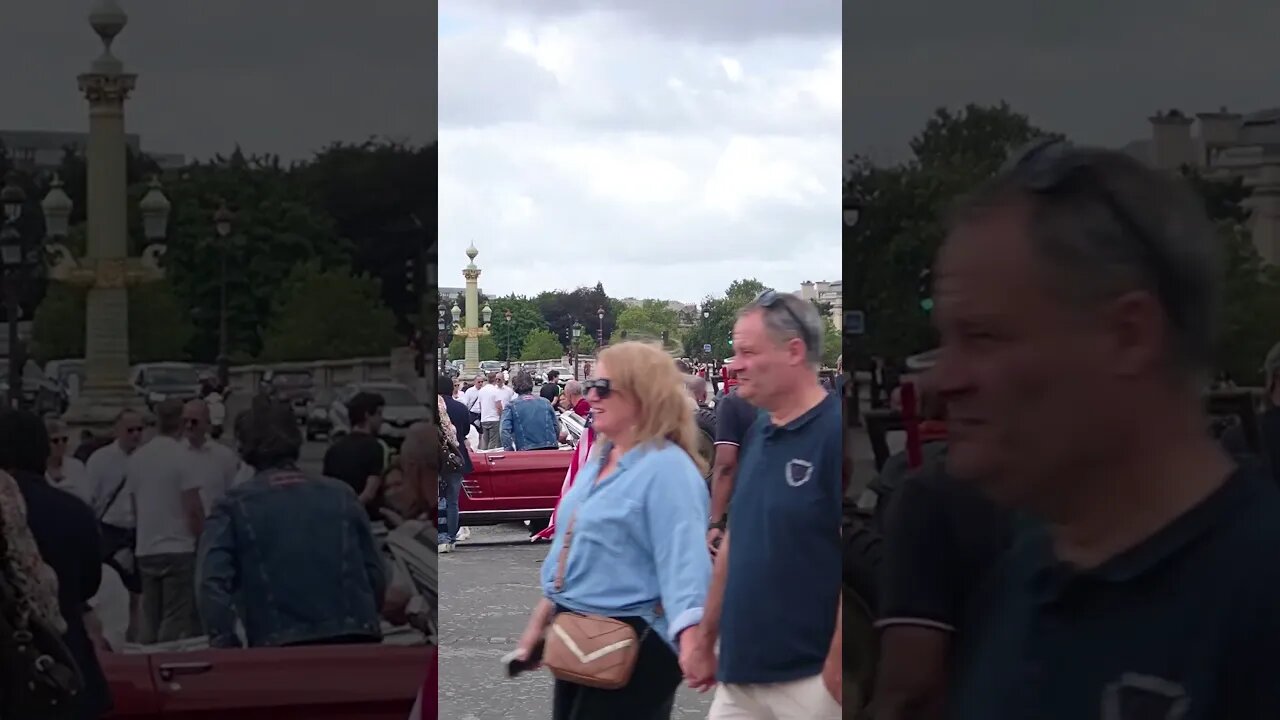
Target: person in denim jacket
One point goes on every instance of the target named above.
(529, 421)
(290, 554)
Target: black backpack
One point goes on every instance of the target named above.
(39, 677)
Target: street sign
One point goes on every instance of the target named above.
(855, 323)
(706, 347)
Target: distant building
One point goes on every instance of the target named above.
(830, 293)
(1225, 145)
(448, 294)
(36, 150)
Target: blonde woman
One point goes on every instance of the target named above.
(629, 541)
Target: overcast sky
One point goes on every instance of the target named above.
(284, 76)
(663, 148)
(1090, 69)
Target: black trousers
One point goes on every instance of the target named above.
(650, 695)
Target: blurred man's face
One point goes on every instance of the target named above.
(374, 421)
(1024, 375)
(401, 494)
(765, 366)
(129, 430)
(195, 421)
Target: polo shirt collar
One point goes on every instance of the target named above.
(1051, 577)
(799, 423)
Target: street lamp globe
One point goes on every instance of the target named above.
(706, 314)
(486, 313)
(851, 216)
(456, 312)
(600, 313)
(12, 197)
(11, 248)
(441, 322)
(222, 220)
(507, 314)
(57, 210)
(577, 330)
(155, 211)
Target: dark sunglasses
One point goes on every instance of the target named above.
(770, 298)
(1050, 167)
(601, 386)
(133, 430)
(192, 422)
(58, 440)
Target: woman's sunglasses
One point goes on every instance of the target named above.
(601, 386)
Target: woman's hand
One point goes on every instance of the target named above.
(697, 659)
(533, 634)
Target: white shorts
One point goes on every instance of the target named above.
(806, 699)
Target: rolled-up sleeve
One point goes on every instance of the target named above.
(676, 508)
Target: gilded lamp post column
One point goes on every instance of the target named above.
(473, 330)
(106, 271)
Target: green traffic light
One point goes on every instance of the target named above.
(927, 304)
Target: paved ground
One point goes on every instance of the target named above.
(487, 587)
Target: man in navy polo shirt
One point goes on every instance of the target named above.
(775, 599)
(1075, 299)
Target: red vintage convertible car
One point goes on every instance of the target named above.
(510, 486)
(338, 682)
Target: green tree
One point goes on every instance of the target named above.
(649, 319)
(584, 344)
(831, 342)
(1251, 303)
(159, 328)
(488, 348)
(525, 319)
(328, 314)
(541, 345)
(900, 212)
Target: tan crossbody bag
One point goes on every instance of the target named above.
(590, 650)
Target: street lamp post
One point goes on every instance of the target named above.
(222, 225)
(600, 314)
(507, 315)
(15, 257)
(445, 336)
(851, 215)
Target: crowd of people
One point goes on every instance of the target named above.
(163, 534)
(640, 546)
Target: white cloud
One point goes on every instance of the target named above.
(577, 149)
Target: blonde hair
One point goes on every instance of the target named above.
(646, 373)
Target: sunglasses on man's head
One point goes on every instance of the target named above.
(770, 298)
(601, 386)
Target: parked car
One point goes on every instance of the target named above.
(490, 366)
(402, 409)
(337, 682)
(292, 386)
(319, 423)
(157, 382)
(67, 374)
(565, 374)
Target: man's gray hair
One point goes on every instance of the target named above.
(573, 387)
(1111, 225)
(522, 382)
(421, 445)
(696, 386)
(780, 318)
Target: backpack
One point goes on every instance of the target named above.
(41, 678)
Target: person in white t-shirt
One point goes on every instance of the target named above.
(491, 399)
(64, 471)
(214, 464)
(471, 398)
(114, 508)
(169, 520)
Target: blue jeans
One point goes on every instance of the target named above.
(448, 519)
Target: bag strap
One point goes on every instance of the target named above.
(114, 495)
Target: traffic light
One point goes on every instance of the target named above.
(925, 290)
(731, 340)
(665, 337)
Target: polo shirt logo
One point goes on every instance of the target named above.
(1144, 697)
(798, 472)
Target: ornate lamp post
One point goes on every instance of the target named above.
(445, 326)
(17, 261)
(600, 314)
(106, 270)
(472, 330)
(507, 315)
(851, 215)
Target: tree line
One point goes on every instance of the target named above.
(900, 226)
(325, 257)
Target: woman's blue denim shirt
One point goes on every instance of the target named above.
(293, 555)
(639, 538)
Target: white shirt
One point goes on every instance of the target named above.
(244, 473)
(215, 466)
(158, 474)
(489, 397)
(75, 480)
(508, 394)
(470, 397)
(106, 469)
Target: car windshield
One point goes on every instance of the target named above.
(170, 376)
(396, 396)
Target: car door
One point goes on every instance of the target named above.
(322, 682)
(133, 691)
(528, 480)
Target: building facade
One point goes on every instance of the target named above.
(1224, 145)
(42, 150)
(829, 293)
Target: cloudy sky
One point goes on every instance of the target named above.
(285, 76)
(1092, 70)
(663, 148)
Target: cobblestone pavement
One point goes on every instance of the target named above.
(487, 587)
